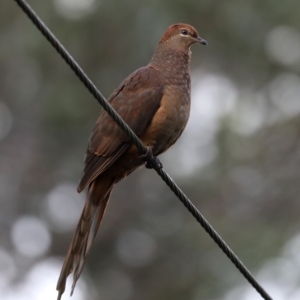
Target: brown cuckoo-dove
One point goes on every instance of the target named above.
(155, 102)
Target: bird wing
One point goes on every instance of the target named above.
(136, 100)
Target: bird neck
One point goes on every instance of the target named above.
(168, 59)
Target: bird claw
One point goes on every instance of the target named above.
(152, 161)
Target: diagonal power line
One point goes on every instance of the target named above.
(152, 161)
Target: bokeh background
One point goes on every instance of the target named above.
(238, 160)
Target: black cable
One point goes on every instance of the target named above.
(153, 162)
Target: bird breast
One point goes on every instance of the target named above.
(170, 119)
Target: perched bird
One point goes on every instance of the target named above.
(155, 102)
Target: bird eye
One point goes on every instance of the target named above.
(184, 32)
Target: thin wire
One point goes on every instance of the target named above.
(142, 149)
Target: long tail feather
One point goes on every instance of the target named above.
(90, 238)
(86, 231)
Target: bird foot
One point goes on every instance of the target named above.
(152, 161)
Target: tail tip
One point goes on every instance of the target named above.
(60, 292)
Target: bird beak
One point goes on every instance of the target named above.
(200, 40)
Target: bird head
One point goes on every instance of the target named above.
(182, 36)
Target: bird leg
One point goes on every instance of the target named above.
(152, 161)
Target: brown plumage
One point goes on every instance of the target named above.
(155, 102)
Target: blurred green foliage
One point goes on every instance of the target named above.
(244, 170)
